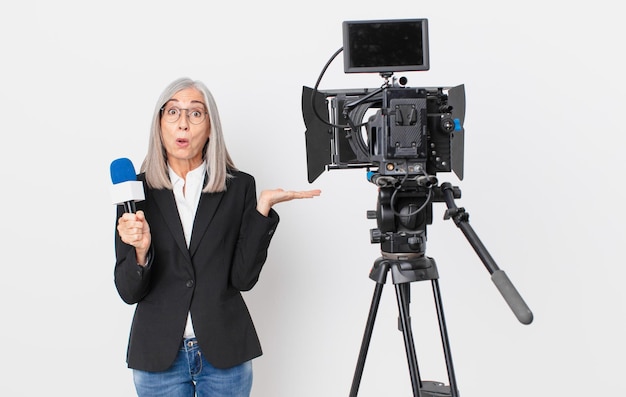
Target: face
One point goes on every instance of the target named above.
(182, 139)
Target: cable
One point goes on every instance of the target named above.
(399, 186)
(315, 90)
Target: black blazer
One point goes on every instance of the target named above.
(228, 248)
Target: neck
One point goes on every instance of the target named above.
(182, 167)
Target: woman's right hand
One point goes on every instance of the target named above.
(134, 230)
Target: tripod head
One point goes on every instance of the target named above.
(404, 210)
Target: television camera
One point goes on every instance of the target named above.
(404, 136)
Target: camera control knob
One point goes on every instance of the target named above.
(375, 236)
(447, 125)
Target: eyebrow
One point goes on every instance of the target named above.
(193, 101)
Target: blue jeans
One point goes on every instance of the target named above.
(191, 375)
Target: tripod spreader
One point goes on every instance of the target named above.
(499, 278)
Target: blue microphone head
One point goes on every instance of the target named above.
(122, 170)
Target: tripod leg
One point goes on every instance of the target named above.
(402, 292)
(444, 339)
(367, 336)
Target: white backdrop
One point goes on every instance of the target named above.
(544, 188)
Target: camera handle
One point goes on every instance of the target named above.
(499, 277)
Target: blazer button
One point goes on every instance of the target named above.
(189, 283)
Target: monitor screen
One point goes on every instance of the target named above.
(385, 46)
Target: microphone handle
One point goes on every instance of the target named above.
(129, 207)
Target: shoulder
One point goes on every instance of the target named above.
(240, 177)
(142, 177)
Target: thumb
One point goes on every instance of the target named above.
(140, 216)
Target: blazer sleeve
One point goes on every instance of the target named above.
(255, 235)
(131, 280)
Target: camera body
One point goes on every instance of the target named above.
(394, 130)
(412, 131)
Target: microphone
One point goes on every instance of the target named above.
(126, 189)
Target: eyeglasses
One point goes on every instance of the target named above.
(172, 114)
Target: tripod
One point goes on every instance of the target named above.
(402, 216)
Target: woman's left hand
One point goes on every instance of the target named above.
(269, 198)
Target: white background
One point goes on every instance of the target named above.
(544, 166)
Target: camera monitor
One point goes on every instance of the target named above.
(385, 46)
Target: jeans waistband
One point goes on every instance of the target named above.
(189, 343)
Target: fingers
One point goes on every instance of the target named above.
(133, 229)
(276, 196)
(302, 194)
(309, 193)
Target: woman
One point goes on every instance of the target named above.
(198, 239)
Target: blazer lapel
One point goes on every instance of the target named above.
(204, 214)
(166, 203)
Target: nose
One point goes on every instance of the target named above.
(183, 120)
